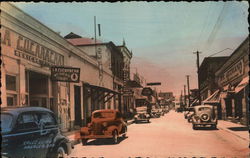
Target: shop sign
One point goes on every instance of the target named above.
(232, 73)
(30, 50)
(128, 92)
(65, 74)
(147, 91)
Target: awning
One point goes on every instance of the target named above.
(133, 84)
(242, 84)
(214, 98)
(195, 102)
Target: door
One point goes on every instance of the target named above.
(25, 140)
(48, 131)
(78, 116)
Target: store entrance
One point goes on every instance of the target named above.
(38, 89)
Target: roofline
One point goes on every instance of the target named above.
(206, 59)
(235, 51)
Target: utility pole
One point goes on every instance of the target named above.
(198, 72)
(188, 90)
(185, 99)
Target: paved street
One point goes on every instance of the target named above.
(168, 136)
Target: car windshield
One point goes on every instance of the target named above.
(205, 109)
(6, 122)
(103, 114)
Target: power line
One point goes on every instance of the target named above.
(217, 25)
(220, 52)
(205, 22)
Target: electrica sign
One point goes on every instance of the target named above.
(65, 74)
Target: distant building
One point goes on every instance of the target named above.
(207, 75)
(167, 95)
(109, 57)
(232, 79)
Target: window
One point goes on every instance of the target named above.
(11, 82)
(27, 121)
(11, 99)
(6, 122)
(47, 119)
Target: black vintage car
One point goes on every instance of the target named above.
(32, 132)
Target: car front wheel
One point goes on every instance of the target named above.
(84, 141)
(115, 137)
(60, 153)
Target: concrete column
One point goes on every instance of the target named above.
(223, 108)
(233, 107)
(3, 87)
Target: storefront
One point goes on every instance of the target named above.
(29, 50)
(232, 79)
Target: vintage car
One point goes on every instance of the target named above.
(32, 132)
(141, 115)
(155, 112)
(189, 112)
(204, 115)
(104, 124)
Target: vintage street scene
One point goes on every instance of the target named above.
(125, 79)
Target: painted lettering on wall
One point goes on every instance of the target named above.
(31, 50)
(232, 73)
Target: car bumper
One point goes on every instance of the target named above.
(70, 146)
(96, 136)
(204, 123)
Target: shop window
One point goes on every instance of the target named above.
(11, 100)
(11, 82)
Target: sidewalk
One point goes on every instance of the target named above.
(234, 128)
(74, 136)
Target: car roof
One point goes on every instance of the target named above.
(106, 110)
(18, 109)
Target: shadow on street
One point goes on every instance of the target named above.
(239, 128)
(104, 141)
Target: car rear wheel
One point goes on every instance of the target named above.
(115, 137)
(60, 153)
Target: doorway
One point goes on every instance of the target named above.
(38, 89)
(78, 116)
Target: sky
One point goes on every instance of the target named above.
(161, 35)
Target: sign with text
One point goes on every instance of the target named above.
(153, 83)
(147, 91)
(65, 74)
(232, 73)
(29, 49)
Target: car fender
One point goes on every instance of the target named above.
(112, 128)
(59, 142)
(84, 131)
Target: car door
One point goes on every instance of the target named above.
(24, 140)
(48, 130)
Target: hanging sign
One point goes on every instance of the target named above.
(65, 74)
(147, 91)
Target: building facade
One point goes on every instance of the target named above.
(29, 51)
(232, 79)
(207, 71)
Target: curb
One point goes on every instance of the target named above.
(233, 133)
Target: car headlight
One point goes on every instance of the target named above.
(105, 124)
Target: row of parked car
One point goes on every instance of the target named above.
(35, 132)
(143, 113)
(201, 116)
